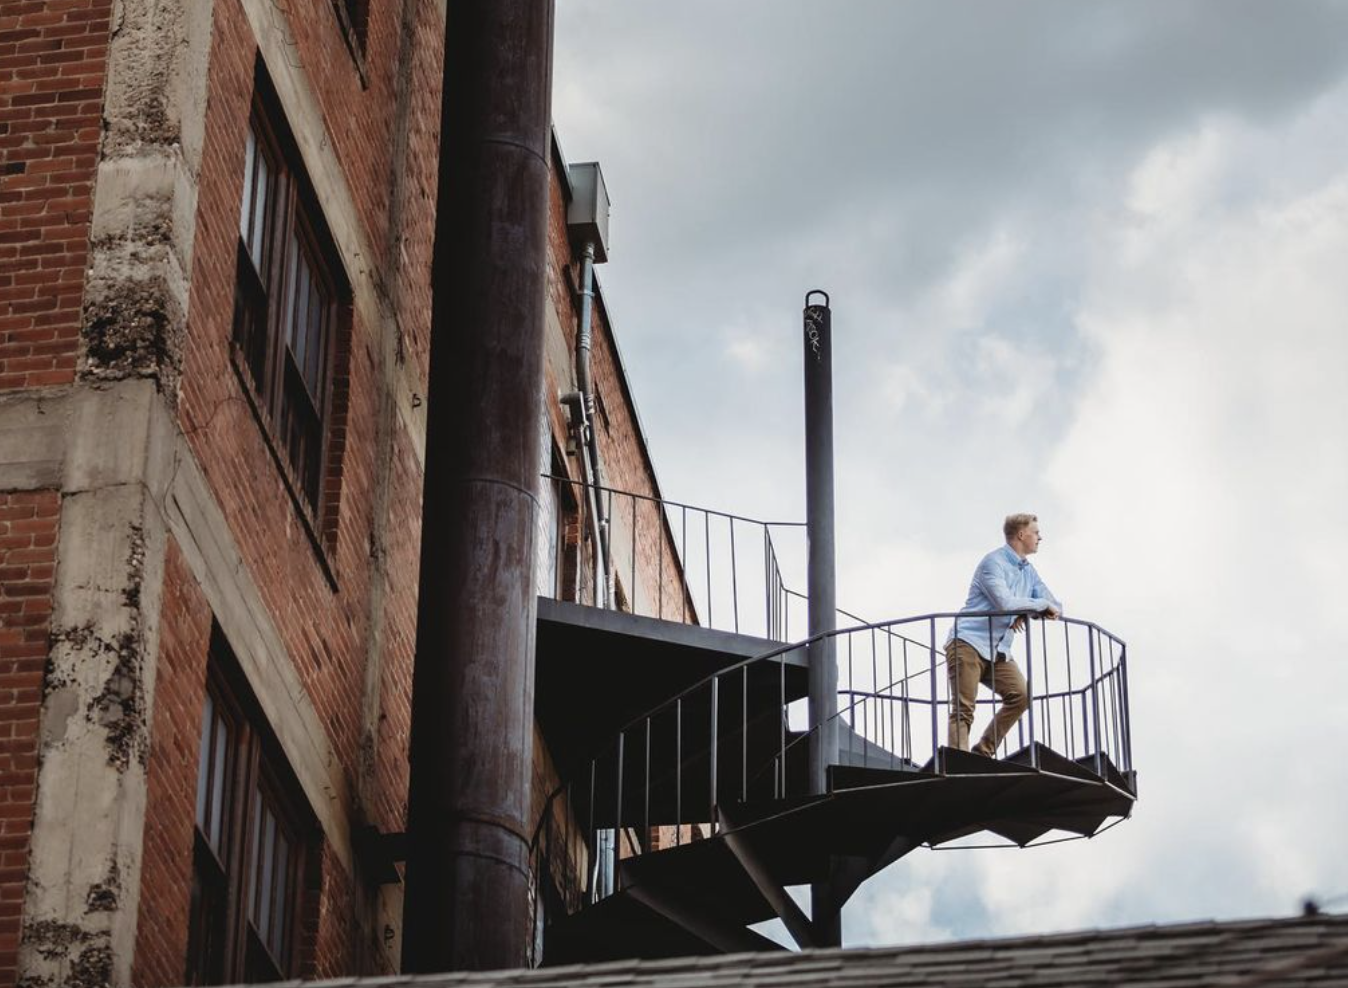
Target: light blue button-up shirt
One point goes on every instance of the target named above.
(1002, 582)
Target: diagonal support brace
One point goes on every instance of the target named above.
(699, 921)
(797, 923)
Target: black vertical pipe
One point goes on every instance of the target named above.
(818, 324)
(467, 903)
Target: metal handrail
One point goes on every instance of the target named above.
(1083, 721)
(704, 598)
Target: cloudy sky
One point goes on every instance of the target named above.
(1086, 259)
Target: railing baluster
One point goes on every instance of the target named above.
(893, 743)
(905, 724)
(1095, 703)
(744, 733)
(594, 840)
(734, 576)
(781, 693)
(706, 547)
(1068, 712)
(683, 561)
(935, 748)
(660, 557)
(1029, 691)
(569, 837)
(678, 772)
(609, 575)
(1127, 715)
(1048, 682)
(646, 798)
(1114, 707)
(633, 602)
(618, 814)
(767, 587)
(712, 753)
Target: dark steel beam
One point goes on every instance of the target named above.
(791, 915)
(818, 339)
(700, 920)
(467, 905)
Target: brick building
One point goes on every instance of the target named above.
(216, 228)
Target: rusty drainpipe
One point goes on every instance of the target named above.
(467, 904)
(583, 403)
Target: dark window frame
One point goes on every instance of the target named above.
(224, 944)
(304, 426)
(353, 20)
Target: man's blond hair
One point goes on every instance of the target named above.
(1014, 523)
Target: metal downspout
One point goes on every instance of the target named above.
(468, 902)
(592, 464)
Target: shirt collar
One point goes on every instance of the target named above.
(1013, 557)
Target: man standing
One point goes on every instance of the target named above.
(979, 649)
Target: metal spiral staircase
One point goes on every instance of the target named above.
(697, 816)
(709, 768)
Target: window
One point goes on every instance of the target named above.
(249, 855)
(290, 305)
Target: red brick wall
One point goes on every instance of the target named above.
(324, 622)
(28, 525)
(403, 550)
(323, 628)
(175, 737)
(52, 61)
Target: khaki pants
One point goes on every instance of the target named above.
(966, 670)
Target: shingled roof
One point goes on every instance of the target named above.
(1286, 953)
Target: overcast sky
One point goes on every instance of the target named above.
(1086, 259)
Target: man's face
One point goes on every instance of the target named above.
(1027, 539)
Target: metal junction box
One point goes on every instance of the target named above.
(587, 216)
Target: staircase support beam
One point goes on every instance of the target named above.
(699, 921)
(794, 918)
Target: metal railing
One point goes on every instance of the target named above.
(678, 562)
(741, 736)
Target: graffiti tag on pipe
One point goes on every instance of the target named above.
(814, 321)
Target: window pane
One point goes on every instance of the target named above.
(292, 263)
(314, 343)
(254, 842)
(218, 790)
(260, 202)
(268, 864)
(277, 938)
(294, 330)
(245, 212)
(204, 761)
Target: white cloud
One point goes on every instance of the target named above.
(1150, 209)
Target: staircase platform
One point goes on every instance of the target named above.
(614, 667)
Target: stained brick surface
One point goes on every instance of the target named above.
(323, 612)
(52, 64)
(175, 737)
(28, 530)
